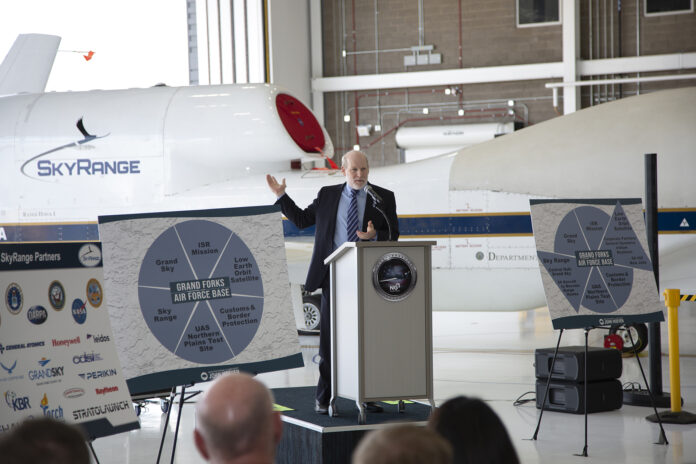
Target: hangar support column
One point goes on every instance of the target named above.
(571, 51)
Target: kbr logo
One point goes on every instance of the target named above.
(79, 311)
(17, 403)
(86, 358)
(37, 314)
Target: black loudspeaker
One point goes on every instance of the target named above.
(604, 395)
(602, 363)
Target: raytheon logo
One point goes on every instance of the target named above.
(38, 167)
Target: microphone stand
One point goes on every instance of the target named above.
(374, 203)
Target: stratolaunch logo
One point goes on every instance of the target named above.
(48, 169)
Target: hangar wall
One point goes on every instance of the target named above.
(364, 37)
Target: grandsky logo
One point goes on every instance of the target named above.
(46, 169)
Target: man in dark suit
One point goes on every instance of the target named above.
(331, 213)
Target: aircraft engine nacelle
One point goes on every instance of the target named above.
(133, 147)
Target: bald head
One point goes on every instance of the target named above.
(235, 418)
(355, 167)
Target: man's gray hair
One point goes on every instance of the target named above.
(343, 158)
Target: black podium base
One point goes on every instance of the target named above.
(312, 438)
(642, 398)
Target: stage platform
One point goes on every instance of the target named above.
(309, 437)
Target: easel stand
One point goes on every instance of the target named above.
(663, 438)
(182, 400)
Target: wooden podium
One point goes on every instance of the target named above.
(381, 323)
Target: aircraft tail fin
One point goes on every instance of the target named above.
(28, 64)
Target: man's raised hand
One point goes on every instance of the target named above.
(277, 188)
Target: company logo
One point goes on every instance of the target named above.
(66, 342)
(97, 374)
(14, 298)
(38, 168)
(79, 311)
(17, 403)
(89, 256)
(46, 375)
(75, 392)
(19, 346)
(86, 358)
(212, 375)
(9, 369)
(37, 314)
(56, 295)
(94, 292)
(99, 338)
(105, 390)
(55, 413)
(99, 410)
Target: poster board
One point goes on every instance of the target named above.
(57, 355)
(193, 294)
(594, 262)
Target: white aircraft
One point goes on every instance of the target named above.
(66, 158)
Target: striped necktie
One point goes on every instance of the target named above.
(352, 219)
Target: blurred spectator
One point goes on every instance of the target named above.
(475, 432)
(45, 441)
(402, 444)
(235, 422)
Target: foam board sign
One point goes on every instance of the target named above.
(594, 262)
(57, 353)
(196, 293)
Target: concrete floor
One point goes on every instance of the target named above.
(488, 355)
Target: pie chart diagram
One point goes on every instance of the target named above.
(200, 292)
(594, 258)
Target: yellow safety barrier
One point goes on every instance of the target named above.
(672, 302)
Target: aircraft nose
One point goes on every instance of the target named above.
(302, 126)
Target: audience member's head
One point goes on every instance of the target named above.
(235, 421)
(475, 432)
(402, 444)
(44, 440)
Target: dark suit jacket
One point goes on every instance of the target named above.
(322, 213)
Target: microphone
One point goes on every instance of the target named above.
(370, 191)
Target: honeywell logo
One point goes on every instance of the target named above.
(66, 342)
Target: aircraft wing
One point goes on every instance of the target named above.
(28, 64)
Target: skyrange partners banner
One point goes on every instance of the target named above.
(194, 294)
(594, 262)
(57, 354)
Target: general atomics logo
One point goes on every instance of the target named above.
(94, 292)
(56, 295)
(37, 314)
(394, 276)
(89, 255)
(79, 311)
(14, 298)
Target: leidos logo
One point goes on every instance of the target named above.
(98, 338)
(17, 403)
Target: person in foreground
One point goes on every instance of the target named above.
(235, 422)
(44, 440)
(475, 432)
(403, 444)
(341, 213)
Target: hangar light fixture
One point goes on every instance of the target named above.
(426, 111)
(356, 147)
(460, 112)
(346, 118)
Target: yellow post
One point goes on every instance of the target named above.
(672, 303)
